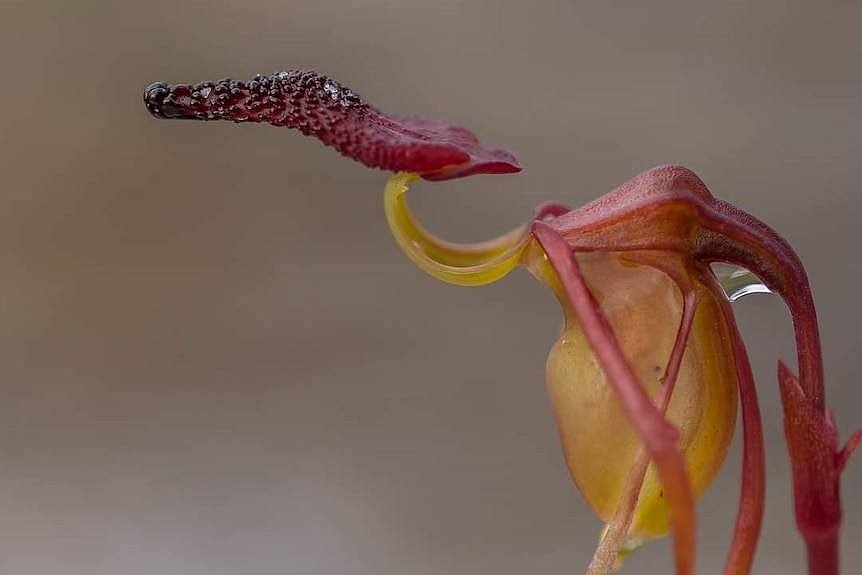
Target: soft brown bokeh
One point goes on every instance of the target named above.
(215, 361)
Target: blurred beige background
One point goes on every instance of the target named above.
(214, 359)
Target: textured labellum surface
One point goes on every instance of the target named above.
(322, 107)
(644, 308)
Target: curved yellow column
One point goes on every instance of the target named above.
(459, 264)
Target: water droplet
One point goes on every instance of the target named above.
(738, 282)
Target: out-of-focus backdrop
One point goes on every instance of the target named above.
(215, 361)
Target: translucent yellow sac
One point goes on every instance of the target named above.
(644, 307)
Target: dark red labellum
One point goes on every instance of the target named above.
(321, 107)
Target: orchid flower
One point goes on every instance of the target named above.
(649, 366)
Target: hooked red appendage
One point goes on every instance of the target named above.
(321, 107)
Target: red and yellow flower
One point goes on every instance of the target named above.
(649, 367)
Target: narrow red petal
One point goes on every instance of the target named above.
(321, 107)
(749, 515)
(607, 552)
(658, 436)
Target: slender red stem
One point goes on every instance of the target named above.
(812, 441)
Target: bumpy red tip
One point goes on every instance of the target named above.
(321, 107)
